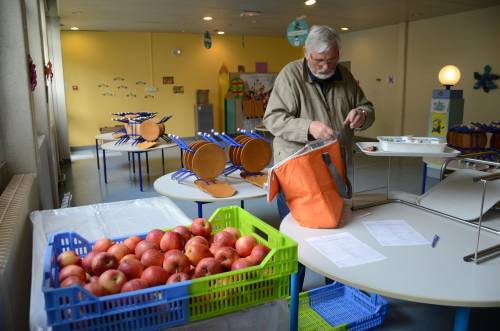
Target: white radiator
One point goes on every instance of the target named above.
(19, 198)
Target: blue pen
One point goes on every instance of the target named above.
(435, 240)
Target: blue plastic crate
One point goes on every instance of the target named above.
(341, 305)
(74, 308)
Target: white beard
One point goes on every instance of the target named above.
(322, 75)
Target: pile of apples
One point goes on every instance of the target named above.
(162, 258)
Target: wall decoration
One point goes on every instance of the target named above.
(149, 96)
(258, 87)
(207, 40)
(131, 95)
(118, 79)
(47, 71)
(32, 72)
(108, 94)
(237, 87)
(122, 87)
(102, 85)
(74, 87)
(261, 67)
(485, 80)
(167, 80)
(178, 89)
(140, 82)
(241, 68)
(297, 31)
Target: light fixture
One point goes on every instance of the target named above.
(176, 51)
(208, 18)
(74, 28)
(309, 2)
(344, 28)
(448, 76)
(220, 32)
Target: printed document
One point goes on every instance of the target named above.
(395, 233)
(345, 250)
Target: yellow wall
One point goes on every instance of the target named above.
(468, 40)
(91, 58)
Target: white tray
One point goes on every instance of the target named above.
(411, 144)
(448, 151)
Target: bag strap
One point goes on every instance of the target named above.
(345, 191)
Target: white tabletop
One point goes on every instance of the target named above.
(112, 220)
(106, 136)
(448, 152)
(414, 273)
(128, 147)
(187, 190)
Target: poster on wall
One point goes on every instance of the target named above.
(439, 109)
(178, 89)
(297, 32)
(257, 90)
(168, 80)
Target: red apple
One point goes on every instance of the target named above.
(155, 236)
(152, 257)
(71, 280)
(134, 285)
(196, 240)
(131, 242)
(131, 268)
(119, 251)
(207, 266)
(241, 264)
(129, 257)
(183, 231)
(154, 276)
(171, 240)
(143, 246)
(226, 256)
(225, 238)
(234, 231)
(196, 252)
(177, 262)
(201, 227)
(102, 245)
(112, 281)
(214, 248)
(68, 258)
(178, 277)
(72, 270)
(103, 261)
(93, 279)
(87, 261)
(259, 252)
(95, 289)
(244, 245)
(172, 252)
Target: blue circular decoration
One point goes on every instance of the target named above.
(297, 32)
(207, 40)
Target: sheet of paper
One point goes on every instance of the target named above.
(345, 250)
(395, 233)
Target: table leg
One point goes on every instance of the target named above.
(182, 163)
(242, 204)
(97, 154)
(294, 302)
(461, 319)
(104, 165)
(424, 178)
(128, 155)
(162, 161)
(140, 169)
(147, 163)
(133, 163)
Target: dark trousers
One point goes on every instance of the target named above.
(283, 211)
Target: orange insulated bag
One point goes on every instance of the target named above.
(314, 183)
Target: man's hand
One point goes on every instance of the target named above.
(356, 118)
(320, 131)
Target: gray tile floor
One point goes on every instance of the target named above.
(86, 184)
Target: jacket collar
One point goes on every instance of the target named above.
(309, 77)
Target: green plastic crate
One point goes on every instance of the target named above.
(235, 290)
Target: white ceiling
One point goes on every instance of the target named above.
(186, 15)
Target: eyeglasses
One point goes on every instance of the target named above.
(322, 61)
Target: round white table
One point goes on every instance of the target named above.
(187, 190)
(133, 150)
(102, 137)
(422, 274)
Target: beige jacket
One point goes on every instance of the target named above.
(296, 101)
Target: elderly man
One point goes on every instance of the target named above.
(314, 98)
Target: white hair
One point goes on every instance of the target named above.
(321, 38)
